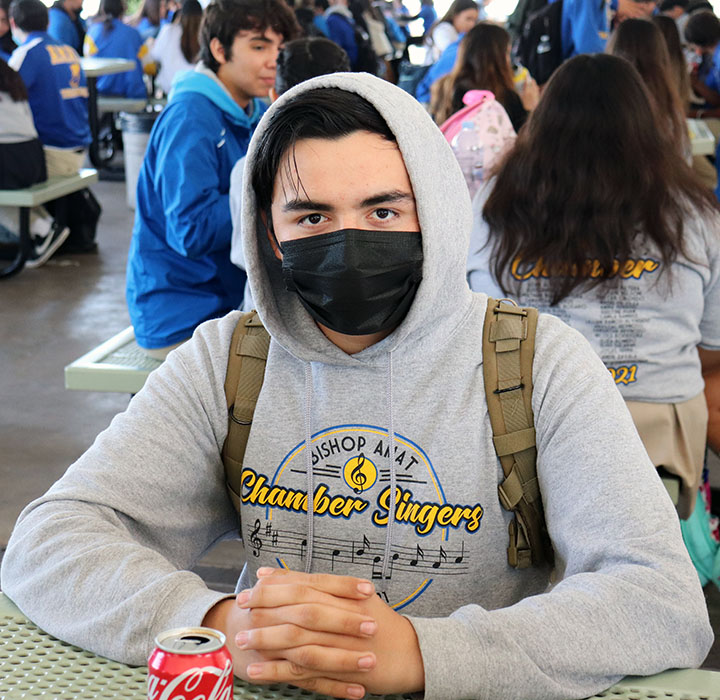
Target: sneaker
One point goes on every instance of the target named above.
(44, 249)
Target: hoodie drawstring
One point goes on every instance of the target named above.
(391, 459)
(308, 466)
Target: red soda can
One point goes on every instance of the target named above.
(191, 663)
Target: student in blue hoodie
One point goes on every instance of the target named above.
(66, 25)
(111, 38)
(179, 272)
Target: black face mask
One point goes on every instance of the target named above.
(352, 281)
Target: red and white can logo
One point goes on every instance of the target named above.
(192, 663)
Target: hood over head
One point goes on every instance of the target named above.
(444, 214)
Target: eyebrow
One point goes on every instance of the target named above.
(382, 198)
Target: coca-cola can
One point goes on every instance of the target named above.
(191, 663)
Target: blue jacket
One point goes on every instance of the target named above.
(57, 91)
(342, 31)
(121, 41)
(65, 30)
(441, 67)
(179, 272)
(585, 26)
(147, 29)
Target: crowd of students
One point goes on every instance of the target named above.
(333, 204)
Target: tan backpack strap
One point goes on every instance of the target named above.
(244, 378)
(508, 350)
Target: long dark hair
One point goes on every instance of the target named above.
(110, 10)
(588, 175)
(191, 15)
(456, 8)
(12, 83)
(642, 43)
(678, 64)
(481, 64)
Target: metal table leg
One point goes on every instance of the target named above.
(24, 246)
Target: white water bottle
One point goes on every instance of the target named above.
(469, 153)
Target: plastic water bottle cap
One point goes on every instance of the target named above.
(468, 125)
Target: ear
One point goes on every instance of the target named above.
(273, 94)
(217, 51)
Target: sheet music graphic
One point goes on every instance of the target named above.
(442, 561)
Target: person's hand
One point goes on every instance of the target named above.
(338, 638)
(298, 626)
(530, 94)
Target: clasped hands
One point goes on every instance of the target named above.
(325, 633)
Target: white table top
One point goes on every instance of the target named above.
(95, 67)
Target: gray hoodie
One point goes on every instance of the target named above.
(100, 560)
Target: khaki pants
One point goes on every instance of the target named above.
(58, 161)
(675, 436)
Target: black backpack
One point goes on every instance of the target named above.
(540, 46)
(80, 211)
(523, 10)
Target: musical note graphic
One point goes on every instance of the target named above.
(335, 553)
(255, 541)
(365, 545)
(357, 476)
(419, 554)
(459, 559)
(442, 556)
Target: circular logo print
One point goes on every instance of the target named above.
(360, 473)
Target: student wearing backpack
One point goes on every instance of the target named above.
(603, 224)
(483, 63)
(375, 542)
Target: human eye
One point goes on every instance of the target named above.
(384, 214)
(312, 220)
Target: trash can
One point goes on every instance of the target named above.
(135, 135)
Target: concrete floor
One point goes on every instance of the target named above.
(48, 318)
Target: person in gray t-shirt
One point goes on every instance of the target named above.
(594, 218)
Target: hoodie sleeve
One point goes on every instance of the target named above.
(197, 213)
(101, 559)
(628, 601)
(236, 192)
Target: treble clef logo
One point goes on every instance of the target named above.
(255, 541)
(358, 476)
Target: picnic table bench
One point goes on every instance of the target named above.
(34, 196)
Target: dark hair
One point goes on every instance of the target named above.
(29, 15)
(306, 58)
(588, 176)
(151, 10)
(12, 83)
(191, 15)
(110, 10)
(322, 113)
(702, 29)
(456, 8)
(695, 5)
(481, 64)
(678, 64)
(642, 43)
(666, 5)
(225, 18)
(6, 41)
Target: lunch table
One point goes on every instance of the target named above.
(35, 664)
(94, 68)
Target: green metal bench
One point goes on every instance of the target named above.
(118, 365)
(25, 199)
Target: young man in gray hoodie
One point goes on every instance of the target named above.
(356, 225)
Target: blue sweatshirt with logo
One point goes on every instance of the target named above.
(57, 91)
(64, 29)
(179, 272)
(121, 41)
